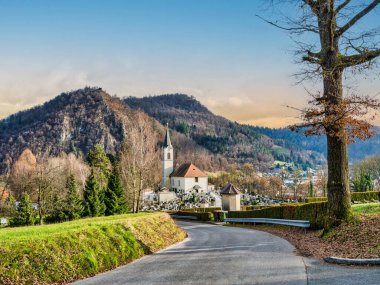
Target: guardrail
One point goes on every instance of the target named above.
(294, 223)
(184, 217)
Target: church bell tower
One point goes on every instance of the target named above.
(167, 161)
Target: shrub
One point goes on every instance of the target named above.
(315, 199)
(205, 216)
(256, 207)
(201, 210)
(365, 196)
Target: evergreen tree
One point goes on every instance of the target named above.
(114, 195)
(93, 198)
(24, 214)
(363, 182)
(100, 163)
(74, 207)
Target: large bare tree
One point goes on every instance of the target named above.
(339, 46)
(139, 157)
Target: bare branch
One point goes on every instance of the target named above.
(299, 29)
(357, 17)
(358, 59)
(341, 6)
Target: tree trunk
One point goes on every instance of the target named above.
(338, 188)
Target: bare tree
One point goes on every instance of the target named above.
(139, 157)
(341, 46)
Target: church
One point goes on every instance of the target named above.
(186, 178)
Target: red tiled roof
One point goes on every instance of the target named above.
(188, 170)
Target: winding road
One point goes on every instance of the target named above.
(225, 255)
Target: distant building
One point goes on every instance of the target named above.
(231, 197)
(186, 178)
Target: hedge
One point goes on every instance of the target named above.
(355, 197)
(315, 199)
(256, 207)
(365, 196)
(201, 210)
(313, 212)
(206, 216)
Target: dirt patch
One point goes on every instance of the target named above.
(358, 239)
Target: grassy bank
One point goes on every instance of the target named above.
(61, 253)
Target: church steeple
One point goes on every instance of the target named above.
(167, 161)
(167, 141)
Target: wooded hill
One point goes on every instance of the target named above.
(237, 142)
(76, 121)
(243, 142)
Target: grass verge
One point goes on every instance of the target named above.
(368, 209)
(62, 253)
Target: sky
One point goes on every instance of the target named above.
(216, 50)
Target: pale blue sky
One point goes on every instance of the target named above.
(216, 50)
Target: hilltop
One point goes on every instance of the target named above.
(237, 142)
(243, 143)
(73, 122)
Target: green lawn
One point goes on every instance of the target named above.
(371, 208)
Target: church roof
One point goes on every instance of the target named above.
(188, 170)
(167, 141)
(230, 189)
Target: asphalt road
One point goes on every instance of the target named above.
(225, 255)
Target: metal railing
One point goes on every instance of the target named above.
(294, 223)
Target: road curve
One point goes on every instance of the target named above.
(214, 255)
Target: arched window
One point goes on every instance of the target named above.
(168, 155)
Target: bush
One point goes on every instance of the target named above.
(315, 199)
(256, 207)
(205, 216)
(365, 196)
(201, 210)
(313, 212)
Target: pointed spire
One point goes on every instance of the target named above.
(167, 141)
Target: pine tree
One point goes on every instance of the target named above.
(114, 195)
(93, 200)
(100, 163)
(24, 214)
(74, 207)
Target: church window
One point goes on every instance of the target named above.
(179, 182)
(196, 179)
(168, 155)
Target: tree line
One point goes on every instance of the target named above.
(63, 188)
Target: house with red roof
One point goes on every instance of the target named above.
(186, 178)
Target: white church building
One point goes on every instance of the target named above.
(186, 178)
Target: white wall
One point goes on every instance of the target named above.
(186, 184)
(231, 202)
